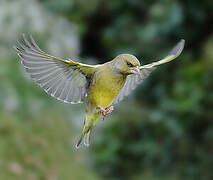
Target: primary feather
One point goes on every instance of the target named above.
(63, 79)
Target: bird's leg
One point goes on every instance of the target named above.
(105, 111)
(101, 110)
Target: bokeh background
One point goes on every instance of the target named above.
(163, 131)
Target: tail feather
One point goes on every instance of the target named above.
(84, 138)
(87, 128)
(79, 142)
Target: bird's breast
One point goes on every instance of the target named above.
(104, 88)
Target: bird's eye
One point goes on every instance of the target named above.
(129, 64)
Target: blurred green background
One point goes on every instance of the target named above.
(163, 131)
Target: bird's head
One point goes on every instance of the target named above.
(126, 64)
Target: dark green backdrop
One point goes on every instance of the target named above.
(163, 131)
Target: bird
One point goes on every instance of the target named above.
(99, 86)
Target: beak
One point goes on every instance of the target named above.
(135, 70)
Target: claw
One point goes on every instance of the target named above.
(109, 110)
(105, 111)
(101, 110)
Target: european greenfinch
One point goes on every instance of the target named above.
(98, 86)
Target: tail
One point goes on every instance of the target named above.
(86, 139)
(89, 122)
(85, 136)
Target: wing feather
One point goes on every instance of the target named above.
(65, 80)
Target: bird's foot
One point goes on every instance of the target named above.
(109, 110)
(105, 111)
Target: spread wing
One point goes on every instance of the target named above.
(135, 79)
(63, 79)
